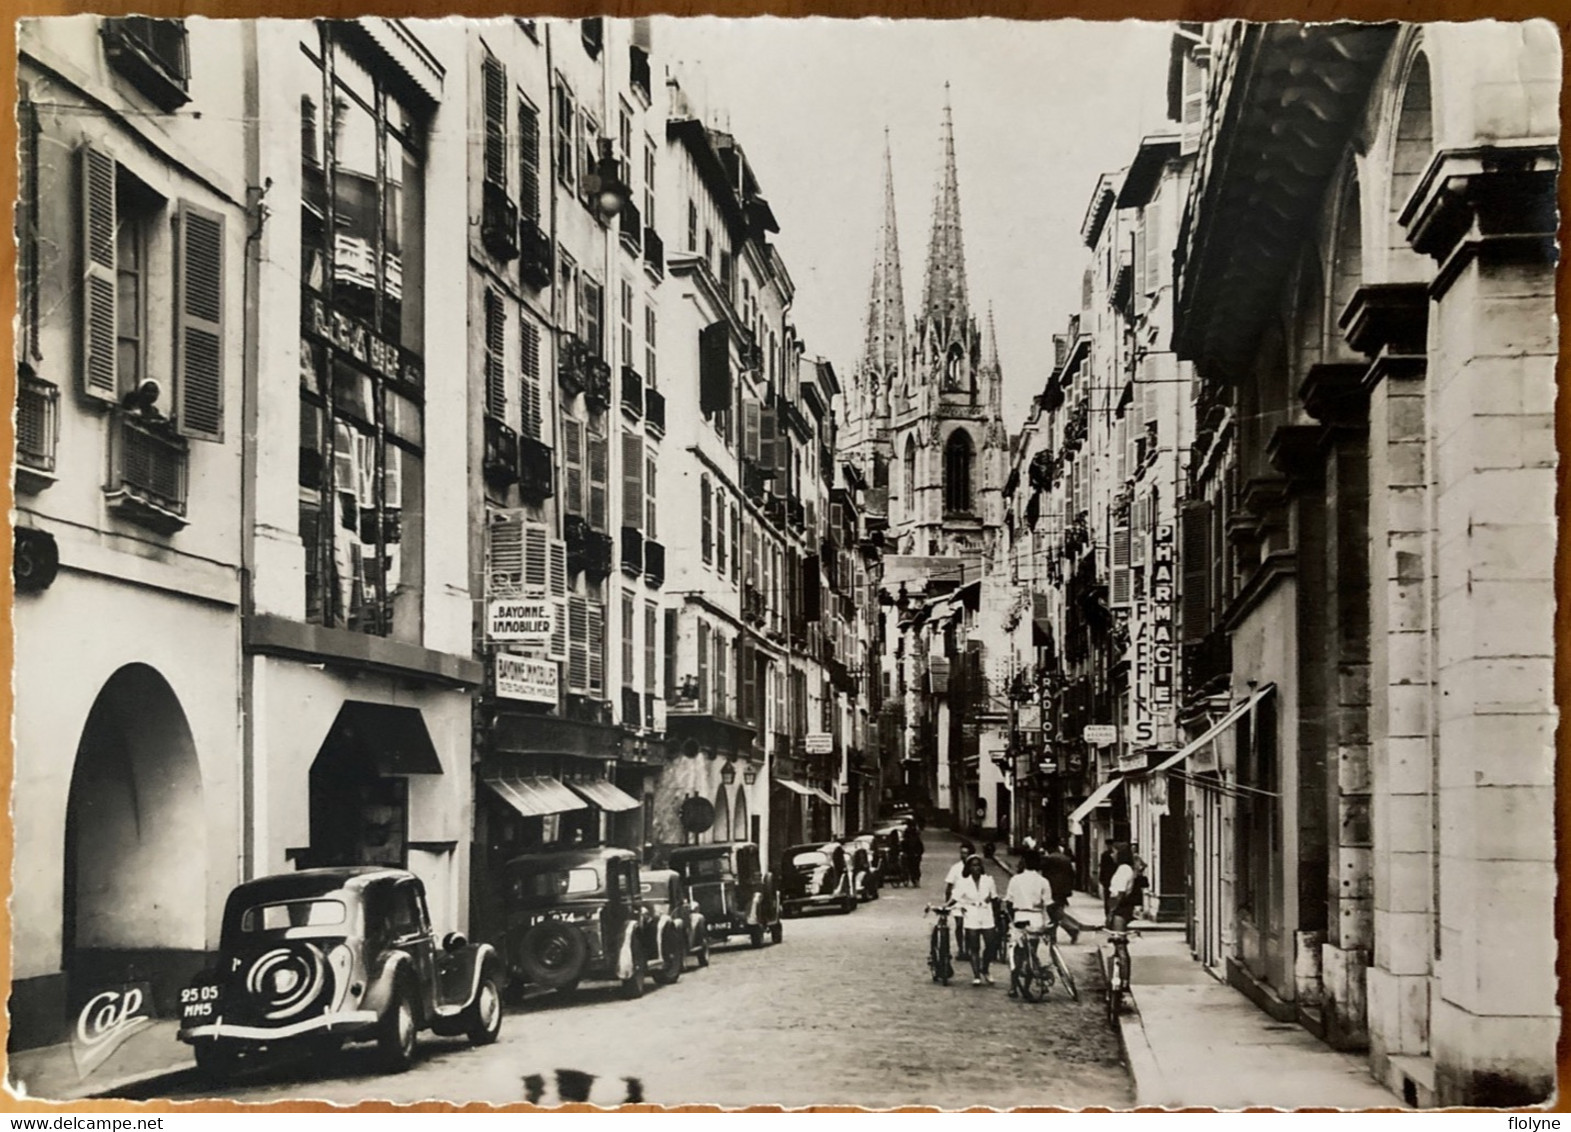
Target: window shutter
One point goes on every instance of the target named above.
(537, 558)
(494, 80)
(651, 646)
(529, 405)
(558, 567)
(1119, 593)
(1195, 560)
(573, 464)
(1140, 527)
(633, 481)
(736, 542)
(578, 644)
(528, 162)
(768, 437)
(99, 286)
(750, 429)
(1140, 259)
(812, 588)
(652, 529)
(199, 323)
(703, 665)
(836, 520)
(1152, 229)
(495, 353)
(1194, 104)
(749, 681)
(599, 460)
(505, 553)
(714, 368)
(705, 519)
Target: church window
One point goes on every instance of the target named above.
(908, 482)
(959, 461)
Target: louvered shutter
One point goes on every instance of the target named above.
(573, 464)
(747, 674)
(495, 355)
(714, 368)
(504, 553)
(1140, 259)
(537, 558)
(528, 162)
(199, 323)
(599, 458)
(99, 222)
(812, 588)
(494, 82)
(1152, 229)
(633, 481)
(1139, 529)
(529, 369)
(596, 649)
(1194, 104)
(1119, 592)
(750, 429)
(577, 645)
(558, 584)
(768, 438)
(1195, 560)
(706, 533)
(703, 665)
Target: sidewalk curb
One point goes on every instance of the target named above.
(98, 1089)
(1148, 1078)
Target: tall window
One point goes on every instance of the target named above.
(649, 182)
(959, 458)
(566, 123)
(530, 379)
(627, 324)
(362, 407)
(591, 316)
(651, 531)
(908, 478)
(629, 646)
(651, 646)
(649, 345)
(706, 519)
(528, 162)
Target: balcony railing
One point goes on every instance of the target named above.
(37, 430)
(654, 563)
(654, 252)
(597, 383)
(1207, 662)
(500, 464)
(638, 70)
(147, 473)
(588, 550)
(796, 514)
(498, 222)
(632, 710)
(572, 362)
(632, 551)
(536, 263)
(630, 227)
(632, 391)
(654, 409)
(535, 482)
(152, 53)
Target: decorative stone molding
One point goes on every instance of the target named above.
(1334, 394)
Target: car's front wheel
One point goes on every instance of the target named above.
(776, 932)
(633, 985)
(755, 935)
(395, 1039)
(673, 957)
(218, 1060)
(485, 1015)
(703, 950)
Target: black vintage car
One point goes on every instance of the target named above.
(308, 960)
(866, 864)
(817, 875)
(576, 914)
(731, 889)
(678, 919)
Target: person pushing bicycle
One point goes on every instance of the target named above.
(1029, 898)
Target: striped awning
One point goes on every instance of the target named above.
(606, 795)
(535, 797)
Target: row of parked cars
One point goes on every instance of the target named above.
(312, 959)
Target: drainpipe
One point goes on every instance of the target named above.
(256, 217)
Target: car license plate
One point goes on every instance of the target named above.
(198, 1002)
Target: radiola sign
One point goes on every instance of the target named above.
(1154, 656)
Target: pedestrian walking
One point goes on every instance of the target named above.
(975, 896)
(911, 850)
(1059, 872)
(951, 878)
(1105, 868)
(1123, 895)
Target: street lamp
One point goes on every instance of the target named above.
(728, 773)
(749, 774)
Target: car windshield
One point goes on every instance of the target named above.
(706, 868)
(809, 858)
(293, 914)
(552, 883)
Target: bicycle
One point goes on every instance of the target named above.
(1028, 976)
(1117, 974)
(938, 960)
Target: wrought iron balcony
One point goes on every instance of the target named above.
(632, 391)
(37, 430)
(535, 475)
(536, 262)
(572, 363)
(630, 228)
(654, 563)
(654, 252)
(588, 550)
(632, 551)
(500, 464)
(498, 222)
(654, 409)
(638, 70)
(597, 383)
(148, 472)
(152, 53)
(632, 710)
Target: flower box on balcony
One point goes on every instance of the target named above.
(632, 551)
(498, 222)
(500, 464)
(654, 409)
(632, 391)
(572, 365)
(535, 482)
(153, 55)
(148, 471)
(597, 383)
(654, 252)
(654, 563)
(535, 259)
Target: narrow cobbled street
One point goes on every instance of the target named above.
(842, 1012)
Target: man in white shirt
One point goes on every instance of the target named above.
(1122, 899)
(956, 871)
(973, 896)
(1029, 896)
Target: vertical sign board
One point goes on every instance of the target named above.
(526, 678)
(1154, 649)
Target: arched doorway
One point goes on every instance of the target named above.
(135, 868)
(739, 825)
(721, 830)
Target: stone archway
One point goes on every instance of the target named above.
(135, 890)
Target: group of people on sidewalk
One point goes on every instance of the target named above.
(1036, 897)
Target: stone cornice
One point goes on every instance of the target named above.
(1383, 316)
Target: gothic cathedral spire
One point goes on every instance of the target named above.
(886, 312)
(944, 306)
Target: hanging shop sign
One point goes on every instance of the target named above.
(818, 743)
(1100, 734)
(1154, 648)
(526, 678)
(527, 621)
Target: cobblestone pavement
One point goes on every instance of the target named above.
(842, 1012)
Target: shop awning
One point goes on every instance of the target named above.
(606, 795)
(795, 787)
(392, 738)
(535, 797)
(1221, 725)
(830, 798)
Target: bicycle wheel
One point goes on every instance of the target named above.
(1032, 986)
(1114, 1005)
(1019, 972)
(1064, 974)
(946, 969)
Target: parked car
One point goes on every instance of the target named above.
(575, 914)
(867, 866)
(888, 846)
(667, 900)
(817, 875)
(731, 889)
(311, 959)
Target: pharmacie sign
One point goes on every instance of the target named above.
(525, 621)
(526, 678)
(1154, 648)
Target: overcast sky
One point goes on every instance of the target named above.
(1041, 109)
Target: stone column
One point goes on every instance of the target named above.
(1387, 322)
(1487, 217)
